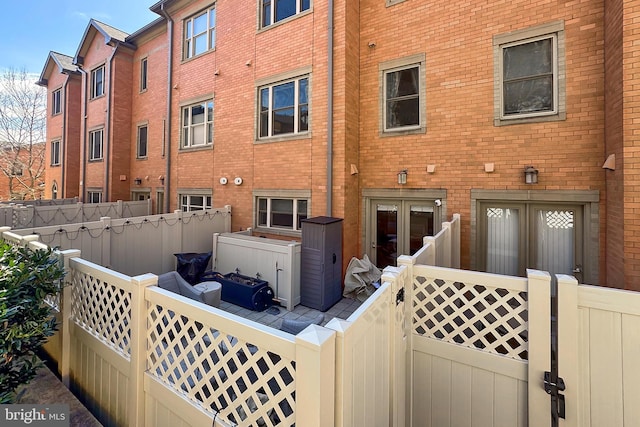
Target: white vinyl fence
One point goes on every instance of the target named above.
(139, 245)
(24, 215)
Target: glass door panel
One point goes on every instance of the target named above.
(503, 240)
(420, 225)
(386, 245)
(555, 240)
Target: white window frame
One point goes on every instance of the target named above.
(139, 142)
(144, 74)
(395, 65)
(97, 84)
(187, 133)
(295, 196)
(189, 39)
(553, 31)
(55, 152)
(93, 140)
(187, 205)
(56, 102)
(94, 196)
(296, 107)
(271, 12)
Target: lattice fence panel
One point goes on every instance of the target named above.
(473, 315)
(241, 382)
(103, 310)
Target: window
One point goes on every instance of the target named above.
(530, 80)
(403, 95)
(197, 125)
(94, 196)
(276, 10)
(16, 170)
(95, 144)
(143, 75)
(55, 153)
(56, 102)
(97, 82)
(284, 108)
(281, 213)
(54, 190)
(141, 152)
(200, 33)
(192, 202)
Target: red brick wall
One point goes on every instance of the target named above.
(457, 40)
(614, 244)
(630, 132)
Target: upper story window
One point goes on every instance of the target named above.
(276, 10)
(95, 144)
(530, 83)
(56, 102)
(55, 153)
(200, 33)
(195, 202)
(16, 170)
(197, 124)
(141, 151)
(97, 82)
(143, 74)
(403, 102)
(284, 108)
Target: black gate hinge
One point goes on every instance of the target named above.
(554, 389)
(400, 296)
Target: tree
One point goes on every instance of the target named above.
(26, 278)
(23, 116)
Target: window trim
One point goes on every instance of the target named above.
(554, 30)
(92, 142)
(206, 193)
(399, 64)
(144, 74)
(93, 86)
(55, 160)
(294, 195)
(299, 13)
(56, 102)
(295, 76)
(91, 191)
(188, 127)
(188, 53)
(146, 142)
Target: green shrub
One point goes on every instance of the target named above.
(26, 278)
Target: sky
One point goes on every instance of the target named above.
(30, 29)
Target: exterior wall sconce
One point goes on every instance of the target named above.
(161, 179)
(137, 181)
(402, 177)
(530, 175)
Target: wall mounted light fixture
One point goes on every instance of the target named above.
(402, 177)
(530, 175)
(138, 181)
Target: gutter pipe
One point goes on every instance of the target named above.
(63, 143)
(167, 173)
(83, 158)
(330, 110)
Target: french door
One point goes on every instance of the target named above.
(398, 227)
(517, 236)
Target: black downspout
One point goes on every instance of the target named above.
(107, 138)
(167, 174)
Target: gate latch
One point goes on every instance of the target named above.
(400, 296)
(554, 389)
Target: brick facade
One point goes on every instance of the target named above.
(461, 136)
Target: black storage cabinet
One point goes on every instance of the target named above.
(321, 262)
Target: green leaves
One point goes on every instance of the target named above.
(26, 278)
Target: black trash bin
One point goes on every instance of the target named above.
(192, 265)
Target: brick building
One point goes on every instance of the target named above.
(423, 109)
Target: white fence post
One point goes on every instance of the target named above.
(65, 313)
(568, 346)
(539, 311)
(430, 253)
(455, 241)
(315, 377)
(139, 331)
(227, 219)
(105, 242)
(119, 208)
(446, 246)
